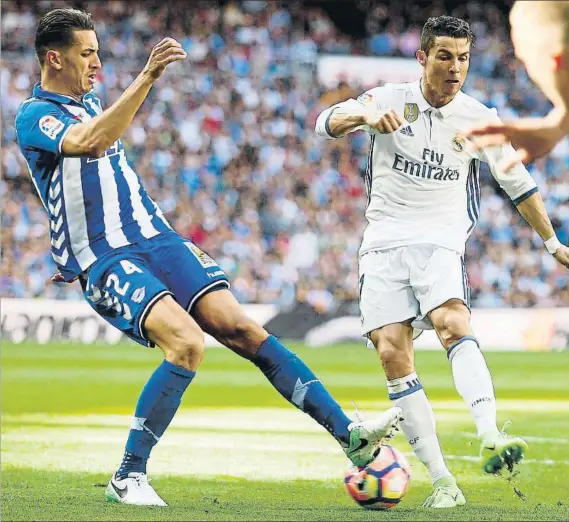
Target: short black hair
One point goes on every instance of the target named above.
(55, 29)
(445, 26)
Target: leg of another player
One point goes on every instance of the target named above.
(180, 338)
(219, 314)
(394, 345)
(474, 383)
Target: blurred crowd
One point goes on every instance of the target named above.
(225, 144)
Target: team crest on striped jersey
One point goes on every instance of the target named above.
(411, 112)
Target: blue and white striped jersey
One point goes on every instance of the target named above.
(94, 205)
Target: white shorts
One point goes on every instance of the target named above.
(407, 283)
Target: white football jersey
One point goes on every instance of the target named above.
(422, 181)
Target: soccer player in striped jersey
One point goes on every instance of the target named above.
(423, 204)
(135, 271)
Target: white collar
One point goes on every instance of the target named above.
(424, 105)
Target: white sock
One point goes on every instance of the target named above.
(473, 383)
(419, 423)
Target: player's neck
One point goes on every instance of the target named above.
(434, 98)
(54, 85)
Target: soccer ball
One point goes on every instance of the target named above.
(382, 483)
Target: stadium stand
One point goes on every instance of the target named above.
(226, 145)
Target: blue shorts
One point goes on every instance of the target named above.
(123, 285)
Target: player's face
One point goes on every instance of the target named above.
(446, 65)
(80, 62)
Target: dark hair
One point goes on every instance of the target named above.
(55, 29)
(445, 26)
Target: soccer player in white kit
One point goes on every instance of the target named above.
(423, 203)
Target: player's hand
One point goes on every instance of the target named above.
(384, 122)
(532, 138)
(562, 255)
(163, 53)
(58, 278)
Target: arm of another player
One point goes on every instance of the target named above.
(532, 137)
(365, 113)
(97, 135)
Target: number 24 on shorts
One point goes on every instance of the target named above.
(113, 279)
(112, 302)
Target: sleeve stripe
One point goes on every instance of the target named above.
(523, 197)
(60, 144)
(327, 124)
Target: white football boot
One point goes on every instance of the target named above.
(366, 437)
(446, 494)
(134, 490)
(501, 451)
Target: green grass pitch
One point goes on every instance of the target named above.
(237, 451)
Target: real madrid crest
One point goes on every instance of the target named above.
(411, 112)
(458, 143)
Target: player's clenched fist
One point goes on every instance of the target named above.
(384, 122)
(163, 53)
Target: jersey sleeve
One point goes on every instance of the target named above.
(517, 182)
(42, 125)
(374, 99)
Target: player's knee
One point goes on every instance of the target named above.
(187, 353)
(183, 346)
(390, 350)
(246, 335)
(390, 354)
(395, 351)
(453, 326)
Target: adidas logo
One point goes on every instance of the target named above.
(407, 131)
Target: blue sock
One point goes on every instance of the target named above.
(155, 409)
(298, 385)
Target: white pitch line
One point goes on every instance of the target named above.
(228, 443)
(504, 405)
(258, 444)
(548, 462)
(245, 455)
(527, 438)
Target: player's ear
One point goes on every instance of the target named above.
(53, 58)
(421, 57)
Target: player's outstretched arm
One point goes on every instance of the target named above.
(532, 137)
(533, 211)
(349, 116)
(93, 138)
